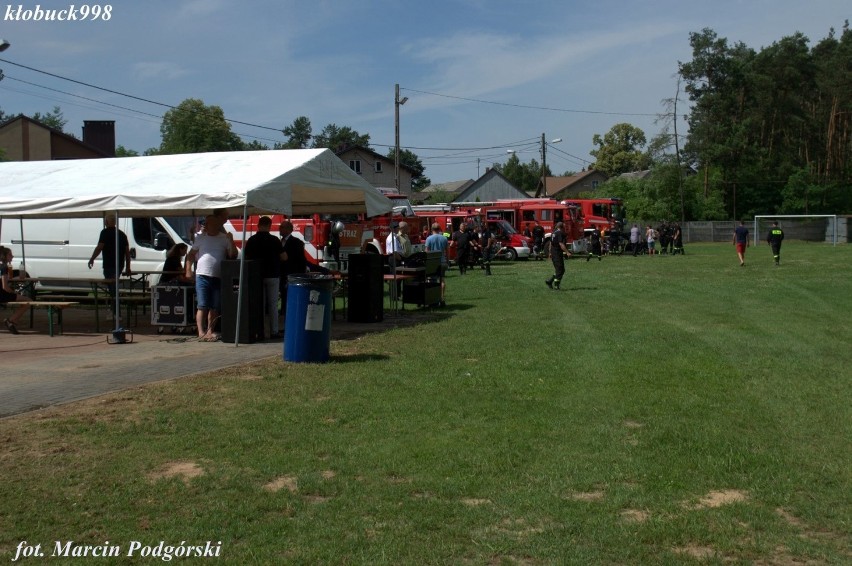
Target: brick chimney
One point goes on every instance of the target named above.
(100, 134)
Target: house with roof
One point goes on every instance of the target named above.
(491, 186)
(569, 187)
(450, 189)
(376, 169)
(25, 139)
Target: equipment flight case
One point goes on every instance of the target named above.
(173, 306)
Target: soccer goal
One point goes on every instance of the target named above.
(807, 227)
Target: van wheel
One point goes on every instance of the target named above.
(511, 254)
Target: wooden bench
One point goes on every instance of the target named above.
(51, 306)
(130, 301)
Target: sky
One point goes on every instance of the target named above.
(482, 77)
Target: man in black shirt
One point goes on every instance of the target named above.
(558, 252)
(486, 238)
(774, 238)
(538, 240)
(461, 237)
(595, 250)
(266, 249)
(294, 260)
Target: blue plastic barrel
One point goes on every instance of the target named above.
(307, 326)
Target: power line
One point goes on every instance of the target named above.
(574, 111)
(127, 95)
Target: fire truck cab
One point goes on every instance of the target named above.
(605, 213)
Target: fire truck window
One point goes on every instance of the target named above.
(309, 233)
(545, 215)
(557, 216)
(599, 210)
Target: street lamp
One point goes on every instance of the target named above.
(4, 45)
(543, 188)
(397, 102)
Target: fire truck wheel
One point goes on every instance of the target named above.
(511, 254)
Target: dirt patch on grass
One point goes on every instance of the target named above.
(284, 482)
(328, 474)
(586, 496)
(719, 498)
(634, 515)
(695, 551)
(317, 499)
(185, 471)
(790, 518)
(473, 502)
(632, 424)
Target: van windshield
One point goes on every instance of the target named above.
(184, 226)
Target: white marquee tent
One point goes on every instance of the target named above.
(291, 182)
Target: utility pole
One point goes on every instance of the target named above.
(397, 102)
(543, 188)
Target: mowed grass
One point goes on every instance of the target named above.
(655, 410)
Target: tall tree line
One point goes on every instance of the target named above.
(771, 130)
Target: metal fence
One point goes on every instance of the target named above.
(810, 230)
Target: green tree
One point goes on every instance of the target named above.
(299, 133)
(525, 176)
(620, 150)
(122, 151)
(335, 138)
(193, 127)
(419, 181)
(254, 145)
(53, 119)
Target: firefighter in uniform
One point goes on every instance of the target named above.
(538, 240)
(486, 239)
(774, 238)
(558, 252)
(596, 244)
(462, 240)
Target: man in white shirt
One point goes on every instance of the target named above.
(211, 246)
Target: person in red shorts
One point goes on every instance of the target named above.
(740, 240)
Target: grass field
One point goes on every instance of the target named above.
(655, 410)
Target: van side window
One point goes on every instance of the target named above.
(142, 232)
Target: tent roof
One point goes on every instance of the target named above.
(292, 182)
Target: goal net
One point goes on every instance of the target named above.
(805, 227)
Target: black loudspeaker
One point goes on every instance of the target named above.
(365, 300)
(251, 317)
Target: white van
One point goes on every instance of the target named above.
(61, 247)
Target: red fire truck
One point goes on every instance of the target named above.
(605, 213)
(523, 213)
(359, 234)
(512, 245)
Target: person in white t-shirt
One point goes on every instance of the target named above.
(211, 246)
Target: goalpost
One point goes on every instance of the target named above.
(760, 230)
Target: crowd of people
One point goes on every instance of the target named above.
(280, 256)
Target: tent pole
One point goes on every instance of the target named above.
(23, 247)
(242, 270)
(117, 312)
